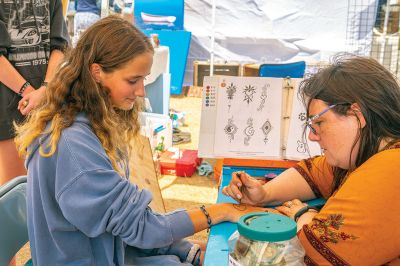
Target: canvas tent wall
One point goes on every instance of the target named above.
(275, 30)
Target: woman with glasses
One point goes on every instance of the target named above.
(353, 109)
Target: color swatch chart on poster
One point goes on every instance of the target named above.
(210, 96)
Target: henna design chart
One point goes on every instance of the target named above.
(248, 131)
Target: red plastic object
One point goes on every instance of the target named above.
(179, 163)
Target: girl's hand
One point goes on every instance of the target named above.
(31, 100)
(245, 189)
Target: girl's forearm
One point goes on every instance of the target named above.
(216, 212)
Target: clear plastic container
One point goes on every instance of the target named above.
(265, 239)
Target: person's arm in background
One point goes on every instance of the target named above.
(35, 97)
(59, 40)
(10, 77)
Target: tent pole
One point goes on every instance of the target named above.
(384, 34)
(213, 11)
(104, 12)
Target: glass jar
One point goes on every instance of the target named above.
(265, 239)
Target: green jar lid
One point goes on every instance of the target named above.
(264, 226)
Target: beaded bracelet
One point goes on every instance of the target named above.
(23, 88)
(209, 222)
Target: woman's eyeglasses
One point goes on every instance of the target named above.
(309, 122)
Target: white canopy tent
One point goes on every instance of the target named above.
(273, 30)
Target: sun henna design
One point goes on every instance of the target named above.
(249, 93)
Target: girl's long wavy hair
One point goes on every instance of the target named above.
(352, 79)
(111, 42)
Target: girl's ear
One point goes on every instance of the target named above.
(95, 70)
(356, 109)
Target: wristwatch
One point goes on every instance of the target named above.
(303, 211)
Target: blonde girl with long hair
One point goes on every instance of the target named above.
(82, 209)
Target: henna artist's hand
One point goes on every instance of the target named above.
(245, 189)
(291, 207)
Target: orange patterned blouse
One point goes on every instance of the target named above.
(360, 222)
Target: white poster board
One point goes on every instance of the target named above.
(248, 121)
(252, 117)
(298, 145)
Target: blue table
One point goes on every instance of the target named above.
(217, 245)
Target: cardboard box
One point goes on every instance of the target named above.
(179, 162)
(202, 69)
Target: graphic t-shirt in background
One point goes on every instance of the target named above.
(29, 31)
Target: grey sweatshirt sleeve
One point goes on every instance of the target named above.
(59, 37)
(97, 200)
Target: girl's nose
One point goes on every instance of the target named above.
(140, 90)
